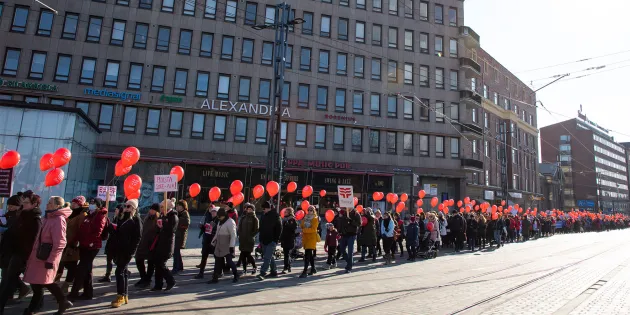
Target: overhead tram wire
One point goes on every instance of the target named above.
(576, 61)
(580, 71)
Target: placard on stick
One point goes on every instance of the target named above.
(346, 196)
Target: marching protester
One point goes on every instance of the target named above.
(90, 243)
(247, 231)
(472, 225)
(163, 247)
(310, 237)
(181, 235)
(149, 234)
(400, 233)
(412, 237)
(481, 231)
(224, 242)
(42, 265)
(349, 224)
(70, 257)
(270, 231)
(458, 230)
(110, 246)
(330, 246)
(368, 235)
(387, 232)
(127, 232)
(287, 237)
(498, 230)
(377, 224)
(208, 230)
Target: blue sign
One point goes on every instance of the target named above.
(585, 203)
(112, 94)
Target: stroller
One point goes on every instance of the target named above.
(295, 252)
(259, 252)
(428, 247)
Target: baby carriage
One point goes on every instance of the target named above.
(295, 252)
(428, 247)
(259, 252)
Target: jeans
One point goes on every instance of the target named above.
(371, 250)
(341, 249)
(122, 275)
(162, 273)
(145, 273)
(38, 295)
(10, 279)
(472, 239)
(268, 258)
(220, 263)
(109, 263)
(348, 246)
(83, 276)
(411, 250)
(497, 237)
(178, 263)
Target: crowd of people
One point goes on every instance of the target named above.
(39, 247)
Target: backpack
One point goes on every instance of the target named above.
(106, 231)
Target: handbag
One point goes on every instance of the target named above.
(43, 250)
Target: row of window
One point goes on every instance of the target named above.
(610, 164)
(609, 144)
(608, 153)
(526, 182)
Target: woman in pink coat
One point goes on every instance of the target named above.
(41, 273)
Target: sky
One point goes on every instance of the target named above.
(529, 34)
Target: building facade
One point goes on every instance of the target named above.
(374, 92)
(595, 166)
(551, 186)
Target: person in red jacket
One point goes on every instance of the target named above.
(90, 242)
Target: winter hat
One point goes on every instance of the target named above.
(155, 206)
(214, 208)
(222, 212)
(133, 203)
(170, 203)
(328, 225)
(267, 205)
(80, 200)
(14, 201)
(230, 204)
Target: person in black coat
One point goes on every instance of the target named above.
(458, 230)
(207, 231)
(11, 216)
(110, 246)
(18, 242)
(287, 238)
(128, 231)
(349, 228)
(165, 246)
(269, 234)
(471, 231)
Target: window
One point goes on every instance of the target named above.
(452, 16)
(264, 89)
(267, 53)
(454, 111)
(361, 4)
(424, 43)
(94, 29)
(408, 40)
(485, 91)
(164, 38)
(474, 146)
(85, 107)
(439, 78)
(320, 137)
(453, 48)
(359, 65)
(185, 41)
(285, 95)
(377, 5)
(305, 59)
(58, 102)
(203, 79)
(340, 100)
(118, 33)
(407, 144)
(392, 37)
(251, 10)
(424, 76)
(496, 98)
(70, 26)
(291, 27)
(392, 71)
(409, 9)
(230, 11)
(289, 57)
(342, 29)
(105, 117)
(223, 88)
(140, 37)
(439, 146)
(303, 95)
(227, 46)
(439, 14)
(392, 106)
(129, 119)
(514, 156)
(359, 32)
(211, 9)
(44, 27)
(453, 81)
(157, 81)
(486, 148)
(375, 104)
(62, 73)
(153, 121)
(181, 79)
(175, 125)
(38, 63)
(198, 125)
(206, 45)
(407, 108)
(393, 7)
(167, 5)
(307, 26)
(270, 15)
(135, 76)
(88, 68)
(408, 73)
(111, 74)
(376, 69)
(20, 19)
(375, 142)
(344, 3)
(324, 56)
(473, 84)
(6, 97)
(338, 138)
(377, 31)
(439, 46)
(324, 27)
(342, 64)
(244, 84)
(145, 4)
(357, 103)
(240, 130)
(439, 111)
(283, 133)
(424, 109)
(219, 128)
(322, 98)
(357, 140)
(424, 11)
(300, 135)
(424, 145)
(485, 120)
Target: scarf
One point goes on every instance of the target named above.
(386, 223)
(307, 219)
(75, 212)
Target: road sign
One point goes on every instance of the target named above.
(102, 192)
(165, 183)
(346, 196)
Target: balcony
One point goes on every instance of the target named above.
(470, 67)
(469, 97)
(471, 131)
(470, 37)
(472, 165)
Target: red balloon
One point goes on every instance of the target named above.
(133, 195)
(441, 207)
(420, 211)
(434, 202)
(54, 177)
(421, 194)
(467, 200)
(272, 188)
(322, 193)
(359, 209)
(238, 199)
(299, 215)
(119, 169)
(259, 190)
(394, 198)
(459, 204)
(46, 162)
(178, 171)
(10, 159)
(133, 183)
(214, 194)
(494, 208)
(495, 216)
(477, 208)
(473, 202)
(304, 205)
(330, 215)
(503, 202)
(419, 202)
(430, 226)
(404, 197)
(307, 191)
(356, 201)
(451, 202)
(461, 210)
(467, 209)
(130, 156)
(400, 207)
(291, 187)
(236, 187)
(194, 190)
(363, 221)
(61, 157)
(283, 212)
(377, 195)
